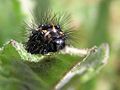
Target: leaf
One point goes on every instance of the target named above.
(17, 50)
(14, 73)
(21, 70)
(49, 69)
(86, 69)
(52, 69)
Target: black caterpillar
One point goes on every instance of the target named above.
(48, 36)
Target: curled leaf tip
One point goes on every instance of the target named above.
(95, 59)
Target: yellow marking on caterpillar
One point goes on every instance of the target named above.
(45, 31)
(53, 28)
(61, 33)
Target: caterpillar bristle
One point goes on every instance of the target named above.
(50, 32)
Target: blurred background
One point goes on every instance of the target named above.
(97, 20)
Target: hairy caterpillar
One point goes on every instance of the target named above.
(51, 33)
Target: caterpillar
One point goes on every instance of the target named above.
(50, 34)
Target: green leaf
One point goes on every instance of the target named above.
(21, 70)
(14, 61)
(85, 70)
(14, 73)
(17, 50)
